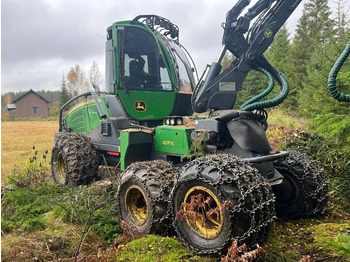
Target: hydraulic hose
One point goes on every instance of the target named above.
(263, 94)
(272, 102)
(332, 78)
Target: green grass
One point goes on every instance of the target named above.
(285, 119)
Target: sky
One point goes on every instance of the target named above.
(42, 39)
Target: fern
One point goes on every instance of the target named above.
(341, 244)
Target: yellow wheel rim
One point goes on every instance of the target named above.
(136, 205)
(212, 226)
(60, 167)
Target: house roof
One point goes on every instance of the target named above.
(30, 91)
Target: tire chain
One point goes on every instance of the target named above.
(313, 173)
(81, 157)
(248, 181)
(161, 175)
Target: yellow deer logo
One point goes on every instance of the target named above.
(140, 106)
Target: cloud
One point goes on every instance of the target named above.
(42, 39)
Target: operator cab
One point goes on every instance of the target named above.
(151, 72)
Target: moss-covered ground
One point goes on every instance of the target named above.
(160, 249)
(39, 230)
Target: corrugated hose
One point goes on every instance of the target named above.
(251, 104)
(332, 78)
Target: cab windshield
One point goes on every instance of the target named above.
(144, 68)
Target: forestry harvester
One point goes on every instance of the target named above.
(169, 156)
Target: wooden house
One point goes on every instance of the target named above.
(30, 105)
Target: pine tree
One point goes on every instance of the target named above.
(315, 98)
(314, 30)
(254, 84)
(315, 27)
(64, 97)
(279, 55)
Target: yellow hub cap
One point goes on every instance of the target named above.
(136, 205)
(60, 167)
(211, 227)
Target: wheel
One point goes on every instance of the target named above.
(304, 191)
(73, 160)
(143, 196)
(238, 203)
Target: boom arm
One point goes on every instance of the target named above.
(219, 90)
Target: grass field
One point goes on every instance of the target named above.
(18, 139)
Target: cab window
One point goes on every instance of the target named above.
(186, 79)
(144, 68)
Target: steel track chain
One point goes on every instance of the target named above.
(81, 159)
(158, 177)
(310, 173)
(236, 172)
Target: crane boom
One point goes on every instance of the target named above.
(247, 43)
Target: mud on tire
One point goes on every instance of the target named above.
(73, 160)
(143, 196)
(310, 184)
(223, 178)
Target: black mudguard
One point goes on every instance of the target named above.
(250, 135)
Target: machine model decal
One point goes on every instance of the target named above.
(168, 143)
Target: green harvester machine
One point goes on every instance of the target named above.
(169, 156)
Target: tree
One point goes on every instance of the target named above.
(54, 108)
(314, 30)
(279, 52)
(77, 83)
(94, 74)
(315, 98)
(315, 26)
(64, 97)
(254, 84)
(342, 22)
(279, 55)
(8, 99)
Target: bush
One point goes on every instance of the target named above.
(77, 204)
(23, 207)
(29, 193)
(334, 158)
(333, 126)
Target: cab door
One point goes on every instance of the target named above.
(145, 87)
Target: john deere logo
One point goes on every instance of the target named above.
(268, 33)
(140, 106)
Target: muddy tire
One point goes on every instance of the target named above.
(309, 183)
(143, 196)
(222, 178)
(73, 160)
